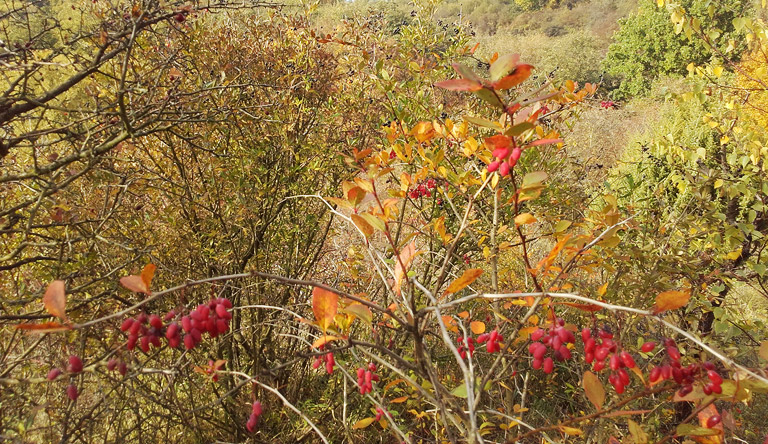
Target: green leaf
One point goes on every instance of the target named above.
(460, 391)
(534, 179)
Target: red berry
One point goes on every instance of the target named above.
(372, 366)
(673, 352)
(122, 367)
(627, 359)
(586, 333)
(189, 342)
(688, 388)
(72, 392)
(112, 364)
(655, 374)
(601, 353)
(179, 17)
(186, 324)
(615, 363)
(155, 321)
(482, 338)
(127, 324)
(648, 347)
(221, 311)
(713, 421)
(714, 377)
(256, 408)
(504, 168)
(172, 331)
(53, 374)
(536, 335)
(131, 343)
(75, 364)
(537, 363)
(549, 365)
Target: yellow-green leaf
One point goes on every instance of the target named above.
(363, 423)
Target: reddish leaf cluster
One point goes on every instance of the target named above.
(557, 339)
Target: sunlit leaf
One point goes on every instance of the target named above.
(134, 283)
(360, 311)
(325, 305)
(363, 225)
(147, 273)
(524, 219)
(671, 300)
(518, 76)
(399, 400)
(45, 327)
(363, 423)
(570, 430)
(503, 66)
(460, 85)
(477, 327)
(324, 340)
(55, 299)
(464, 280)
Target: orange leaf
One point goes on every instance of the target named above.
(134, 283)
(325, 305)
(671, 300)
(406, 257)
(45, 327)
(324, 340)
(477, 327)
(464, 280)
(594, 389)
(550, 259)
(147, 274)
(363, 423)
(363, 225)
(503, 66)
(517, 77)
(55, 300)
(591, 308)
(399, 400)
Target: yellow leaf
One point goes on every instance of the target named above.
(603, 288)
(524, 219)
(464, 314)
(55, 300)
(671, 300)
(399, 400)
(363, 423)
(763, 351)
(570, 430)
(464, 280)
(324, 340)
(325, 305)
(594, 389)
(477, 327)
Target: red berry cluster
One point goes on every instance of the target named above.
(506, 159)
(423, 189)
(379, 413)
(365, 378)
(253, 420)
(212, 318)
(117, 364)
(75, 366)
(607, 104)
(601, 347)
(491, 341)
(470, 345)
(326, 358)
(557, 338)
(686, 376)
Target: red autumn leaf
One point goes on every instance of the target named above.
(498, 141)
(460, 85)
(591, 308)
(545, 142)
(325, 305)
(517, 77)
(55, 300)
(671, 300)
(45, 327)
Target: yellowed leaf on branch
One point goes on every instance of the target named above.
(477, 327)
(594, 389)
(363, 423)
(763, 351)
(55, 300)
(671, 300)
(524, 219)
(325, 305)
(464, 280)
